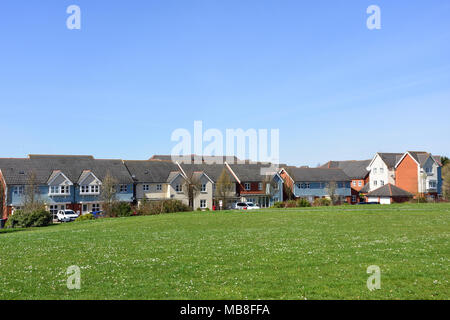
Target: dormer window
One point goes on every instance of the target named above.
(59, 190)
(247, 186)
(93, 189)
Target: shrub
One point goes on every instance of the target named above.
(22, 219)
(206, 209)
(85, 217)
(419, 199)
(302, 202)
(164, 206)
(321, 202)
(278, 204)
(291, 204)
(122, 209)
(199, 209)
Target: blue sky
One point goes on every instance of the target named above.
(138, 70)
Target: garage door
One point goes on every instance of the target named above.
(385, 200)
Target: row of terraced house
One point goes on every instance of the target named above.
(75, 182)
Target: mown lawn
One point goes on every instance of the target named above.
(310, 253)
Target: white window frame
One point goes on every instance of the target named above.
(146, 187)
(59, 190)
(247, 186)
(375, 170)
(19, 190)
(203, 187)
(260, 186)
(359, 183)
(375, 183)
(381, 182)
(203, 204)
(123, 188)
(179, 188)
(89, 189)
(159, 187)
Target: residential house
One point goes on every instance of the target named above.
(254, 184)
(313, 183)
(419, 172)
(382, 169)
(157, 180)
(358, 173)
(62, 182)
(388, 194)
(208, 175)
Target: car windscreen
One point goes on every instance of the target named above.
(250, 204)
(69, 212)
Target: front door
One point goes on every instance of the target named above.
(85, 209)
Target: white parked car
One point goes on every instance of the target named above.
(246, 206)
(66, 215)
(252, 206)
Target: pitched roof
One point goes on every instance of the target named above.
(390, 159)
(317, 174)
(389, 190)
(213, 171)
(205, 159)
(18, 171)
(420, 156)
(355, 169)
(151, 171)
(250, 172)
(365, 188)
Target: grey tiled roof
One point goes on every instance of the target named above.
(390, 159)
(249, 172)
(389, 190)
(355, 169)
(317, 174)
(365, 189)
(213, 171)
(206, 159)
(151, 171)
(18, 171)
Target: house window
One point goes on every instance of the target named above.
(375, 170)
(428, 170)
(146, 187)
(178, 188)
(53, 210)
(202, 204)
(247, 186)
(123, 188)
(19, 190)
(353, 198)
(158, 187)
(381, 183)
(354, 183)
(260, 186)
(307, 186)
(375, 183)
(381, 170)
(432, 184)
(359, 183)
(95, 207)
(89, 189)
(59, 190)
(203, 188)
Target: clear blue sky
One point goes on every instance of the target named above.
(137, 70)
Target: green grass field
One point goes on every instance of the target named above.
(305, 253)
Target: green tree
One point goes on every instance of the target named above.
(444, 160)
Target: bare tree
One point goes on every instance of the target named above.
(224, 187)
(331, 190)
(108, 194)
(192, 187)
(32, 201)
(446, 181)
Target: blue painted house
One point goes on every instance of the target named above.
(62, 182)
(313, 183)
